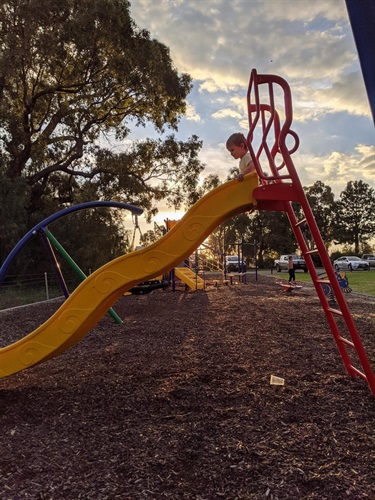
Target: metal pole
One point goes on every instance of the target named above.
(46, 285)
(76, 268)
(54, 262)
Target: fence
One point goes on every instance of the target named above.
(30, 288)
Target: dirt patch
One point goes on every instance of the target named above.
(176, 402)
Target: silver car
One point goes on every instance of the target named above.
(234, 263)
(350, 263)
(370, 258)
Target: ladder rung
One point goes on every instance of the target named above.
(358, 372)
(334, 311)
(312, 251)
(346, 341)
(323, 281)
(303, 221)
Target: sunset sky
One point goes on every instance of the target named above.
(308, 43)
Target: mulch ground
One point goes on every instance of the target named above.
(177, 403)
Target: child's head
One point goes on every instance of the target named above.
(237, 145)
(237, 139)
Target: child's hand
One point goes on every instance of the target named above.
(240, 177)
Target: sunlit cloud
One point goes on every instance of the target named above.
(336, 169)
(311, 46)
(223, 113)
(191, 113)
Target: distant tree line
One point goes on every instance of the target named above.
(348, 221)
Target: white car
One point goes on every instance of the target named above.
(350, 263)
(234, 263)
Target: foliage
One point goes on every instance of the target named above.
(71, 71)
(150, 171)
(99, 228)
(274, 236)
(354, 215)
(153, 235)
(74, 75)
(321, 199)
(13, 219)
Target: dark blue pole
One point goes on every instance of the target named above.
(362, 19)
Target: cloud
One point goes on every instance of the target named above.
(223, 113)
(337, 169)
(191, 113)
(309, 44)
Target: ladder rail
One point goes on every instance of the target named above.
(272, 197)
(339, 296)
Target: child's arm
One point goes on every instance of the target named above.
(247, 170)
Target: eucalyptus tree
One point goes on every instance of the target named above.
(76, 76)
(322, 201)
(354, 215)
(73, 72)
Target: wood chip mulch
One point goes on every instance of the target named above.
(176, 402)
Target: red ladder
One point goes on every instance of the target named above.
(280, 186)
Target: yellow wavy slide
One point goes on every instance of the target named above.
(91, 300)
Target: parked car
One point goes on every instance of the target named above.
(281, 264)
(370, 258)
(235, 263)
(350, 263)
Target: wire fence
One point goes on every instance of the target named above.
(31, 288)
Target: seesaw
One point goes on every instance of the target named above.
(289, 287)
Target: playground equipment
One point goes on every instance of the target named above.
(183, 271)
(83, 309)
(280, 186)
(289, 287)
(50, 241)
(148, 287)
(189, 277)
(136, 227)
(326, 285)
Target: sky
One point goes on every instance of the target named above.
(308, 43)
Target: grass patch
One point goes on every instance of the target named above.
(359, 281)
(20, 297)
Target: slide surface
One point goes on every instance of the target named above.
(91, 300)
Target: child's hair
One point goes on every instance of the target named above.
(236, 140)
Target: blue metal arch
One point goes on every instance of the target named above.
(75, 208)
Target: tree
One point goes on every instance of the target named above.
(13, 219)
(72, 71)
(273, 234)
(270, 230)
(150, 171)
(354, 215)
(321, 200)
